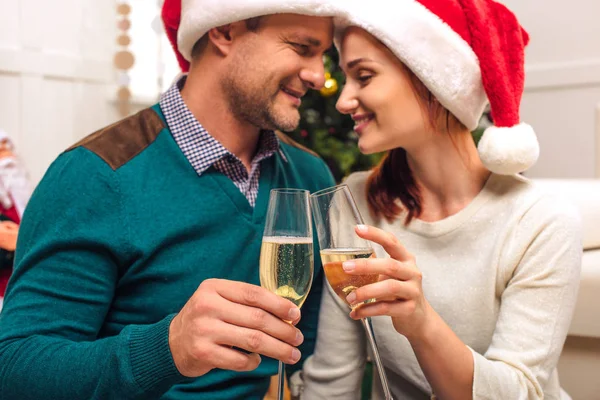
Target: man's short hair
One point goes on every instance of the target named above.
(252, 24)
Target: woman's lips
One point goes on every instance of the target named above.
(361, 122)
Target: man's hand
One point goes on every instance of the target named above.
(8, 235)
(224, 315)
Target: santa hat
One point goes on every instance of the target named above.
(186, 21)
(467, 53)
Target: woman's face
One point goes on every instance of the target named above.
(378, 95)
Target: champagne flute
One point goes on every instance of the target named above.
(286, 255)
(336, 215)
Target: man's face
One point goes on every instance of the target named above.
(272, 68)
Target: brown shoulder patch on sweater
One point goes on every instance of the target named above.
(120, 142)
(291, 142)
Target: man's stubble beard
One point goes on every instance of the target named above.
(252, 101)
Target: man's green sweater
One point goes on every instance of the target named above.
(116, 238)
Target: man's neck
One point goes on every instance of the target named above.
(204, 98)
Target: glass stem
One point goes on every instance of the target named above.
(384, 383)
(281, 377)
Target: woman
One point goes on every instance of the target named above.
(479, 269)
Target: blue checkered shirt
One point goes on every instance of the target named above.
(203, 151)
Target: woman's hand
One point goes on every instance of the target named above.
(398, 292)
(8, 235)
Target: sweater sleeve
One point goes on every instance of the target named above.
(73, 243)
(536, 305)
(336, 368)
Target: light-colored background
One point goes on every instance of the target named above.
(563, 84)
(57, 82)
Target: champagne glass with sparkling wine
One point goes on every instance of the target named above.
(336, 216)
(286, 255)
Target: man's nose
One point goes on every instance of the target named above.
(314, 74)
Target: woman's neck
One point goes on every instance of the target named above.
(449, 174)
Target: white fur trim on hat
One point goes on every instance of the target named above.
(199, 16)
(429, 47)
(508, 151)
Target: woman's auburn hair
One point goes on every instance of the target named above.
(392, 179)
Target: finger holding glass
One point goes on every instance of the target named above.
(399, 291)
(223, 317)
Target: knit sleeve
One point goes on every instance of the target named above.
(536, 305)
(72, 247)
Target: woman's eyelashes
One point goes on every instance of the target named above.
(364, 77)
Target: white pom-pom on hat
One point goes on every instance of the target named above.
(508, 151)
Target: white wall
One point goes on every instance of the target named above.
(562, 87)
(56, 74)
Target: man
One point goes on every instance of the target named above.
(144, 283)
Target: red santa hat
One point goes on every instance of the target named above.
(186, 21)
(467, 53)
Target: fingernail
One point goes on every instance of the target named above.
(294, 314)
(295, 355)
(351, 298)
(299, 338)
(362, 228)
(349, 266)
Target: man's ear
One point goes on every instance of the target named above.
(223, 37)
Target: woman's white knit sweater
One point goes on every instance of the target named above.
(503, 273)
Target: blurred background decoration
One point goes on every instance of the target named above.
(124, 59)
(155, 66)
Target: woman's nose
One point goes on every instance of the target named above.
(346, 103)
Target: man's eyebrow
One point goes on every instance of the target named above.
(306, 39)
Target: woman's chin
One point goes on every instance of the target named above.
(368, 148)
(362, 149)
(363, 146)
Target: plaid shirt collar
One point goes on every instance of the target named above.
(200, 148)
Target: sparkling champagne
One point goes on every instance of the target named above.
(286, 266)
(342, 283)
